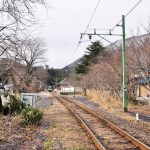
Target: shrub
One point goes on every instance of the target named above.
(5, 94)
(0, 105)
(32, 116)
(5, 110)
(69, 93)
(14, 105)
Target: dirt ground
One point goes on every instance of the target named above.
(59, 130)
(65, 132)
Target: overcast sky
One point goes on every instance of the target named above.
(68, 18)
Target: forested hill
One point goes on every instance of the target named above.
(113, 46)
(71, 66)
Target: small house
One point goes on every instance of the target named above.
(143, 87)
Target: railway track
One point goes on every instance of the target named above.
(104, 134)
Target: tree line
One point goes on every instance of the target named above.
(19, 50)
(101, 68)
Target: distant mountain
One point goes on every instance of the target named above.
(118, 43)
(71, 66)
(112, 46)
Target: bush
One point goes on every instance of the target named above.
(14, 105)
(0, 105)
(69, 93)
(32, 116)
(5, 94)
(5, 110)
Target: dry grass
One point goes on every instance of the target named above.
(115, 105)
(104, 99)
(107, 101)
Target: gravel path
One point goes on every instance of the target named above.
(108, 137)
(65, 133)
(140, 130)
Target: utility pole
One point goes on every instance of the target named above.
(74, 79)
(124, 65)
(124, 92)
(62, 75)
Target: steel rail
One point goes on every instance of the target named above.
(97, 143)
(112, 126)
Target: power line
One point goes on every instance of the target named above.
(79, 43)
(133, 8)
(100, 29)
(76, 48)
(128, 13)
(93, 13)
(92, 16)
(108, 41)
(104, 37)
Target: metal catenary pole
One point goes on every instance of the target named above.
(124, 93)
(74, 79)
(124, 65)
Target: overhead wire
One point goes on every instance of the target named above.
(128, 13)
(92, 16)
(77, 46)
(112, 29)
(108, 41)
(104, 37)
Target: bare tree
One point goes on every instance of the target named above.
(28, 54)
(15, 16)
(107, 74)
(41, 73)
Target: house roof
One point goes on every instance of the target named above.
(144, 81)
(64, 82)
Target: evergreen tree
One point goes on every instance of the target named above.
(0, 104)
(55, 76)
(90, 57)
